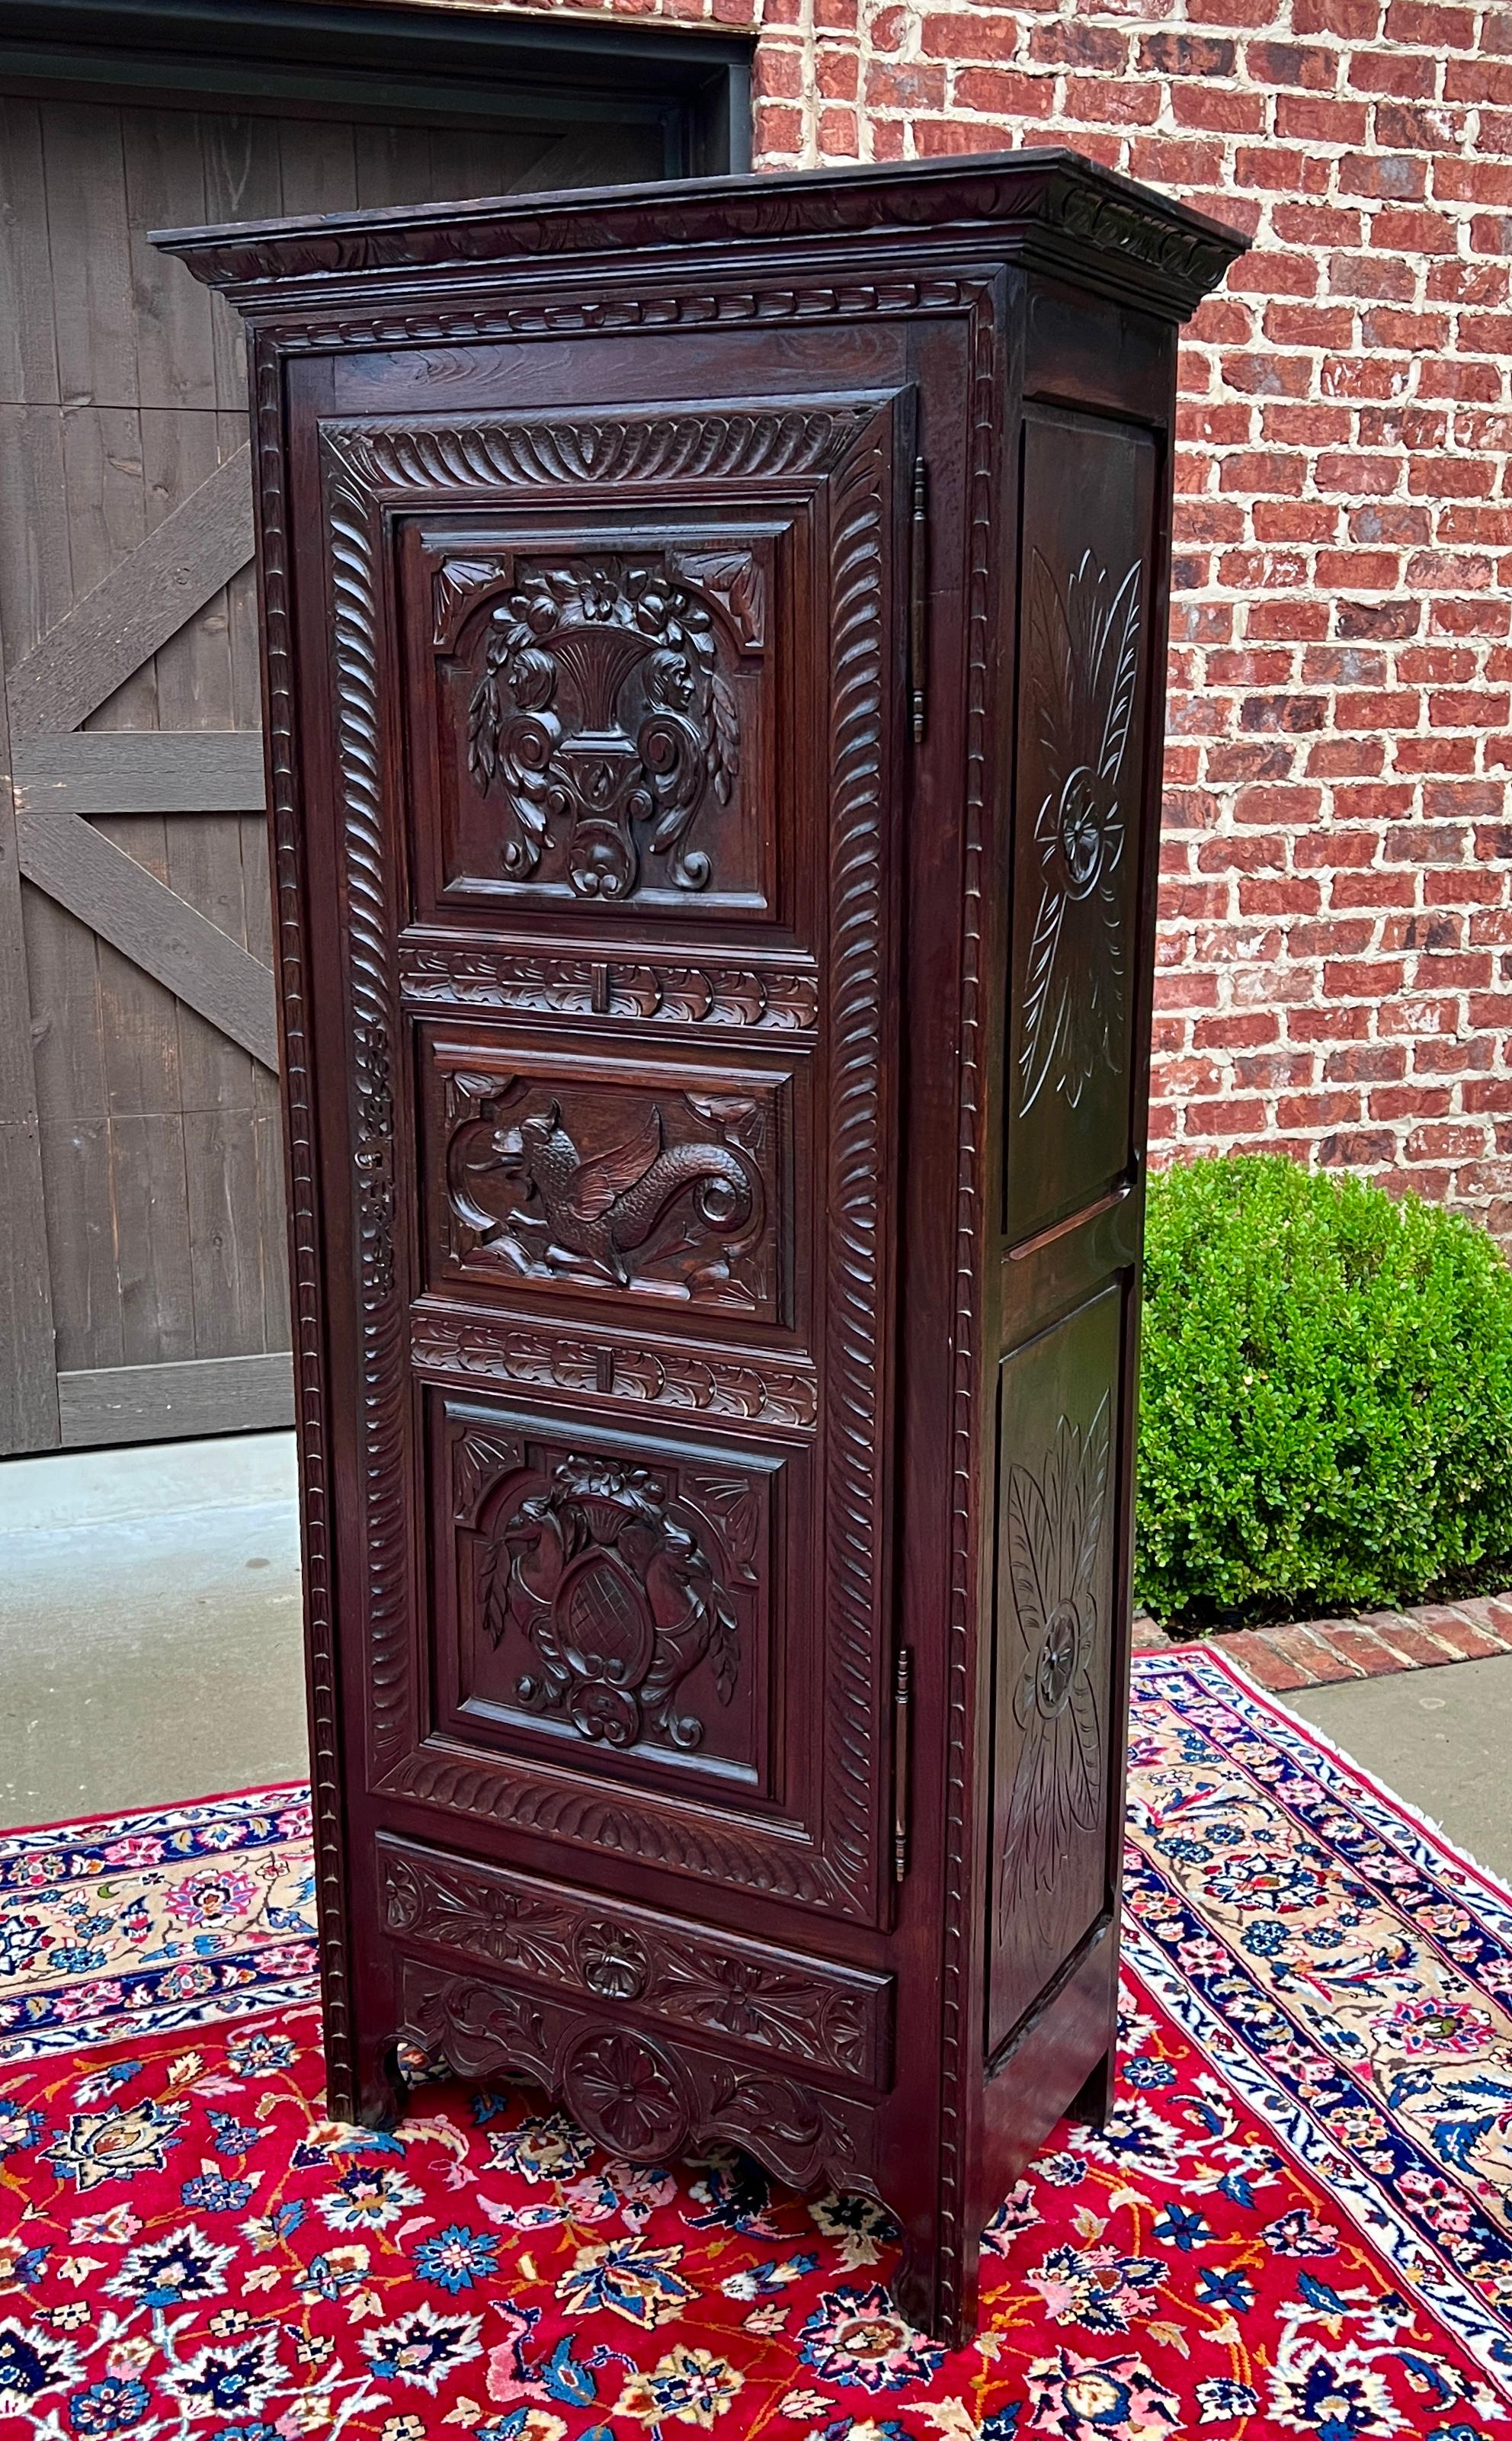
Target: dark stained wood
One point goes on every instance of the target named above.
(728, 1585)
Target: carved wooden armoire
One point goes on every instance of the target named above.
(713, 649)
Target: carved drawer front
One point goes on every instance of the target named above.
(698, 1980)
(613, 1177)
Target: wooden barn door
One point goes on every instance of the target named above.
(142, 1289)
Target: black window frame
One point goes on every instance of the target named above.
(427, 63)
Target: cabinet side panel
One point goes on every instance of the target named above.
(1054, 1738)
(1086, 625)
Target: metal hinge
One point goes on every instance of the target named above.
(918, 599)
(902, 1698)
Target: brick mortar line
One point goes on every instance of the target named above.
(1377, 1644)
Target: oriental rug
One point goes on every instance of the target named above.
(1299, 2222)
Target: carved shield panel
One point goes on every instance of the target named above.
(608, 1600)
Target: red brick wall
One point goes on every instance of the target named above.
(1336, 947)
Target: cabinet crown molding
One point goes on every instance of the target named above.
(1041, 204)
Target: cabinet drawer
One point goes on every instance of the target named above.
(835, 2020)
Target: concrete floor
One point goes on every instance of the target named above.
(150, 1649)
(1440, 1738)
(150, 1625)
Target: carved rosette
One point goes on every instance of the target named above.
(641, 2099)
(1054, 1520)
(1084, 665)
(627, 2094)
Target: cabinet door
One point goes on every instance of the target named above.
(615, 709)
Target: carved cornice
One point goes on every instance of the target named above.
(1050, 201)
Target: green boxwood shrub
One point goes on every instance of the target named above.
(1326, 1417)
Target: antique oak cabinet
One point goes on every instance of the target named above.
(713, 645)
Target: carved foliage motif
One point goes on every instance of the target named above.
(641, 2098)
(674, 995)
(479, 1915)
(750, 1386)
(604, 719)
(1084, 663)
(1054, 1519)
(681, 1218)
(605, 1577)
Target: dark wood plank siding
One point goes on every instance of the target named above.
(140, 1164)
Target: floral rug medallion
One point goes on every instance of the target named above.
(1298, 2223)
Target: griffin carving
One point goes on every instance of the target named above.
(1084, 659)
(571, 1212)
(599, 1571)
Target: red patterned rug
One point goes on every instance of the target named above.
(1299, 2222)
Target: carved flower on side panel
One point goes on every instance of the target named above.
(1054, 1526)
(1084, 663)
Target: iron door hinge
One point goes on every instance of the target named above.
(902, 1700)
(918, 600)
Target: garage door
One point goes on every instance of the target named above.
(142, 1288)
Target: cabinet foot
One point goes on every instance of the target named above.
(381, 2091)
(1093, 2105)
(915, 2290)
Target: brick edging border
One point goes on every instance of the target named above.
(1322, 1652)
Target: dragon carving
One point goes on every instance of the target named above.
(570, 1212)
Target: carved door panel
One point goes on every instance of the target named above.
(616, 703)
(1055, 1742)
(1086, 604)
